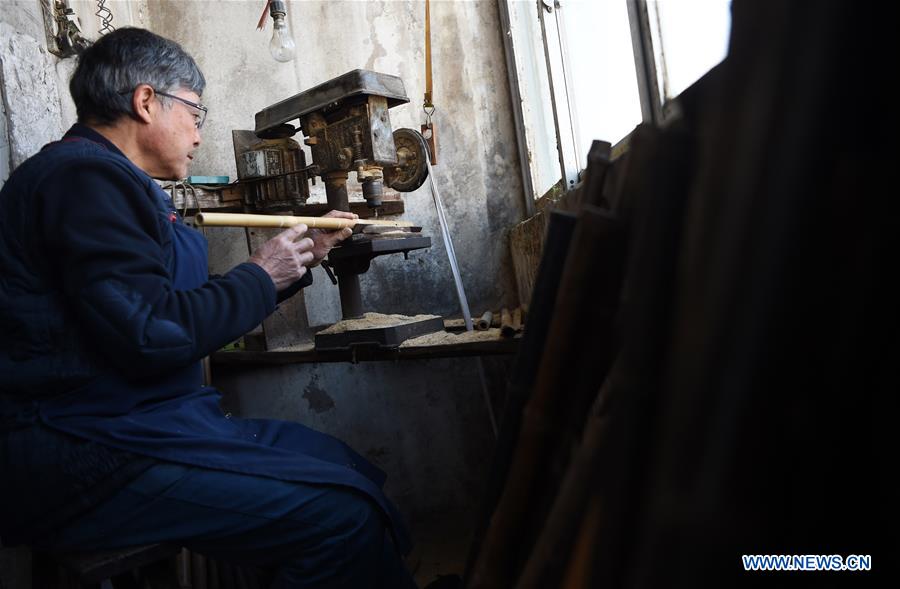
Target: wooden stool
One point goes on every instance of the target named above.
(84, 569)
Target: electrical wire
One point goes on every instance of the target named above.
(106, 16)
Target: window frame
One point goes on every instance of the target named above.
(553, 36)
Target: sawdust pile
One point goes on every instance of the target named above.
(446, 338)
(300, 347)
(374, 321)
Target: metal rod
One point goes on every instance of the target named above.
(516, 97)
(460, 291)
(560, 101)
(348, 284)
(644, 62)
(448, 243)
(351, 296)
(336, 190)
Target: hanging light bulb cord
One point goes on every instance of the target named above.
(106, 16)
(277, 9)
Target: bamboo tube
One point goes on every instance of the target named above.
(284, 221)
(506, 326)
(517, 319)
(485, 321)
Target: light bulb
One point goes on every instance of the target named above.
(282, 45)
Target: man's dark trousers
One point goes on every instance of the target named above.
(314, 536)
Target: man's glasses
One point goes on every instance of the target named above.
(199, 118)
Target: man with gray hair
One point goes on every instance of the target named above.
(107, 436)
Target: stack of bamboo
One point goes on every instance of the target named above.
(710, 310)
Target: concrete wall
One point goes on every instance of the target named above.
(29, 85)
(34, 91)
(4, 137)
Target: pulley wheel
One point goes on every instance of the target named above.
(412, 157)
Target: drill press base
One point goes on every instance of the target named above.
(375, 329)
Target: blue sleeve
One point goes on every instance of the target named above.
(105, 234)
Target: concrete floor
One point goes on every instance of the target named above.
(441, 545)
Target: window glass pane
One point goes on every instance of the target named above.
(604, 92)
(689, 38)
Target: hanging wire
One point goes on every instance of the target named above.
(188, 188)
(186, 201)
(172, 188)
(106, 17)
(188, 193)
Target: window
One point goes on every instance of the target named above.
(689, 38)
(604, 92)
(582, 70)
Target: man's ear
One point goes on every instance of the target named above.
(143, 104)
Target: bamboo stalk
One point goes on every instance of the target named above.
(506, 326)
(284, 221)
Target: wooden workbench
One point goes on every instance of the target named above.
(488, 343)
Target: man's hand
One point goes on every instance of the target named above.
(324, 239)
(286, 256)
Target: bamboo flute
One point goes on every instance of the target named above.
(284, 221)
